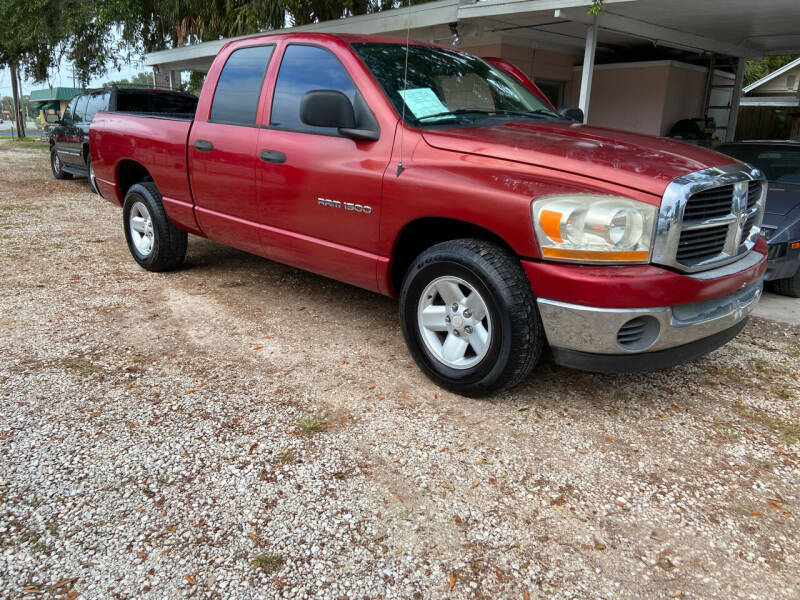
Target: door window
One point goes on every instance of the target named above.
(80, 109)
(70, 110)
(97, 102)
(239, 86)
(306, 68)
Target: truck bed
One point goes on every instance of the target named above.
(157, 140)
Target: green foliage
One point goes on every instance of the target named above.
(596, 7)
(138, 80)
(756, 69)
(35, 34)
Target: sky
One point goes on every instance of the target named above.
(62, 77)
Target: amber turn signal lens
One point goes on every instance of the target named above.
(596, 255)
(551, 224)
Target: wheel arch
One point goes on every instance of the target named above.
(129, 173)
(420, 234)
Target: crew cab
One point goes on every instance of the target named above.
(425, 173)
(69, 138)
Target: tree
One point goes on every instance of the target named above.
(756, 69)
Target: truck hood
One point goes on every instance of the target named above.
(782, 198)
(637, 161)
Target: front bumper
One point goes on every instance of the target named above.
(603, 331)
(631, 339)
(784, 260)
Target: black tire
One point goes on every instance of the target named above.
(57, 167)
(517, 337)
(168, 242)
(787, 287)
(89, 175)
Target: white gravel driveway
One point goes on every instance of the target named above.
(240, 429)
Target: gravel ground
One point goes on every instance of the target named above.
(241, 429)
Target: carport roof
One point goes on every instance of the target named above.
(740, 28)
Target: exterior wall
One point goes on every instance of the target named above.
(778, 85)
(630, 98)
(533, 62)
(648, 97)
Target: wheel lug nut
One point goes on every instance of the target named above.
(467, 313)
(447, 318)
(467, 329)
(455, 307)
(456, 332)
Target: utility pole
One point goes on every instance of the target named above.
(15, 91)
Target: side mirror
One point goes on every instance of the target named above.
(329, 108)
(570, 113)
(51, 118)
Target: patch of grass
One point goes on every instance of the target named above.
(783, 390)
(287, 456)
(310, 425)
(80, 365)
(724, 432)
(788, 431)
(268, 563)
(19, 207)
(728, 375)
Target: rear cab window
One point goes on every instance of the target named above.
(238, 90)
(155, 101)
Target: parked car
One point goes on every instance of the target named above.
(780, 163)
(503, 228)
(69, 139)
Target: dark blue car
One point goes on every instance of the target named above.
(780, 162)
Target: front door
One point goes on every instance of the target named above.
(319, 192)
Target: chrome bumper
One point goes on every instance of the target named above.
(597, 330)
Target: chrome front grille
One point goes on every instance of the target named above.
(709, 218)
(708, 204)
(696, 244)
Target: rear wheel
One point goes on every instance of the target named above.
(155, 243)
(787, 287)
(57, 166)
(469, 317)
(90, 176)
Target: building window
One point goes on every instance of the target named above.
(791, 81)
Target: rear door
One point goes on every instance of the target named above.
(222, 150)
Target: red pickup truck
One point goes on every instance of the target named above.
(426, 173)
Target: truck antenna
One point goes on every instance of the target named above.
(405, 88)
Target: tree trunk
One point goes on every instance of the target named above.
(18, 116)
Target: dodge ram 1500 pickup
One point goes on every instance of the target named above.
(419, 171)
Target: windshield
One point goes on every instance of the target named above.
(446, 87)
(780, 164)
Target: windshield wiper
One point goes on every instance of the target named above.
(531, 114)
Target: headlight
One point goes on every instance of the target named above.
(594, 228)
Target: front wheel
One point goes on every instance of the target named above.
(787, 287)
(57, 166)
(155, 243)
(469, 317)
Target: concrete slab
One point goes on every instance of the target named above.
(778, 308)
